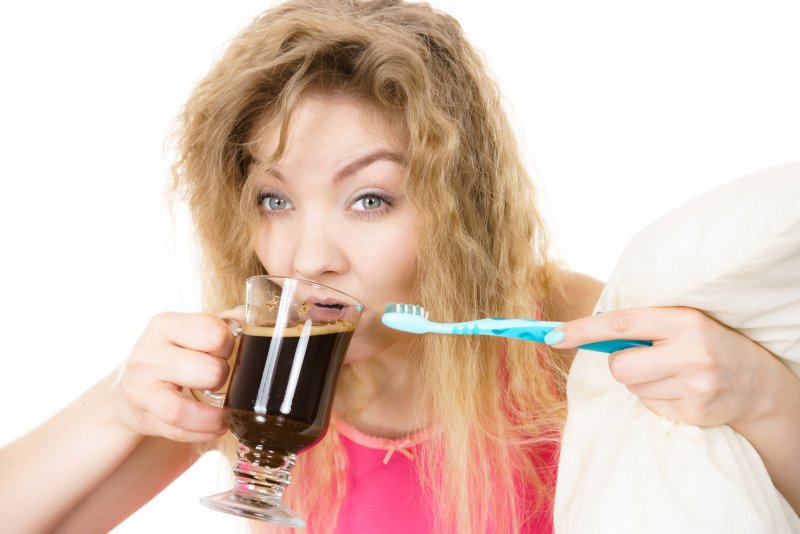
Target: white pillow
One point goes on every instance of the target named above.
(733, 252)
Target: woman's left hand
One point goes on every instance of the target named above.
(701, 372)
(697, 371)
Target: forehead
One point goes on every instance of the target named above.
(326, 125)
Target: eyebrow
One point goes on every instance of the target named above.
(353, 166)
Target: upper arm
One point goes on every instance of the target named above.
(572, 296)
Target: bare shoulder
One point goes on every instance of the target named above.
(573, 295)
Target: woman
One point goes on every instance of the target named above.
(362, 145)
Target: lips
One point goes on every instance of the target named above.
(326, 311)
(327, 303)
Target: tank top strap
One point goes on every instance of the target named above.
(401, 445)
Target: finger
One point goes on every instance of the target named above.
(681, 410)
(233, 314)
(176, 433)
(645, 364)
(649, 324)
(196, 331)
(698, 390)
(671, 388)
(192, 369)
(168, 405)
(668, 408)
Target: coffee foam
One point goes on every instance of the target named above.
(296, 330)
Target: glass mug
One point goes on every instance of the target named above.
(286, 361)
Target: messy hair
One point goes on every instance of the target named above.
(482, 245)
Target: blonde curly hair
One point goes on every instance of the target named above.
(482, 244)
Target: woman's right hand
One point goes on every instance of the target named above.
(176, 352)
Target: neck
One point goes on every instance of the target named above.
(379, 397)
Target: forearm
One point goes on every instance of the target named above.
(152, 466)
(50, 470)
(90, 466)
(776, 434)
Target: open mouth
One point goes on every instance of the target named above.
(330, 306)
(325, 311)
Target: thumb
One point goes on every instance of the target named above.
(233, 315)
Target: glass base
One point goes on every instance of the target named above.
(272, 510)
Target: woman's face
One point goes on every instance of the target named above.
(333, 212)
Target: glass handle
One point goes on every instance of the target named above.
(209, 397)
(217, 398)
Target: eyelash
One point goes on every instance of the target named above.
(387, 204)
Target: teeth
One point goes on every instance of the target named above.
(330, 306)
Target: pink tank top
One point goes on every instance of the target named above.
(384, 493)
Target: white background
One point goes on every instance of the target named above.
(625, 108)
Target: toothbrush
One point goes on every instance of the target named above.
(414, 319)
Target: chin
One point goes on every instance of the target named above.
(366, 346)
(358, 351)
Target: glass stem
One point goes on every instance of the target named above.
(262, 475)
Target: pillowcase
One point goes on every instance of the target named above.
(734, 253)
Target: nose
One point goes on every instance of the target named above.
(318, 252)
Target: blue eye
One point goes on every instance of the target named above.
(368, 202)
(272, 202)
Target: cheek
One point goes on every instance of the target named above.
(392, 254)
(269, 258)
(372, 338)
(400, 266)
(388, 276)
(262, 250)
(392, 262)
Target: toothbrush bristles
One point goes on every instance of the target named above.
(410, 309)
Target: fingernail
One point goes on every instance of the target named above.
(553, 337)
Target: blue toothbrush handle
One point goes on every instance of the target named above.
(614, 345)
(530, 330)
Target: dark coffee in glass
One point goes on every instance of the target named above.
(287, 359)
(280, 401)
